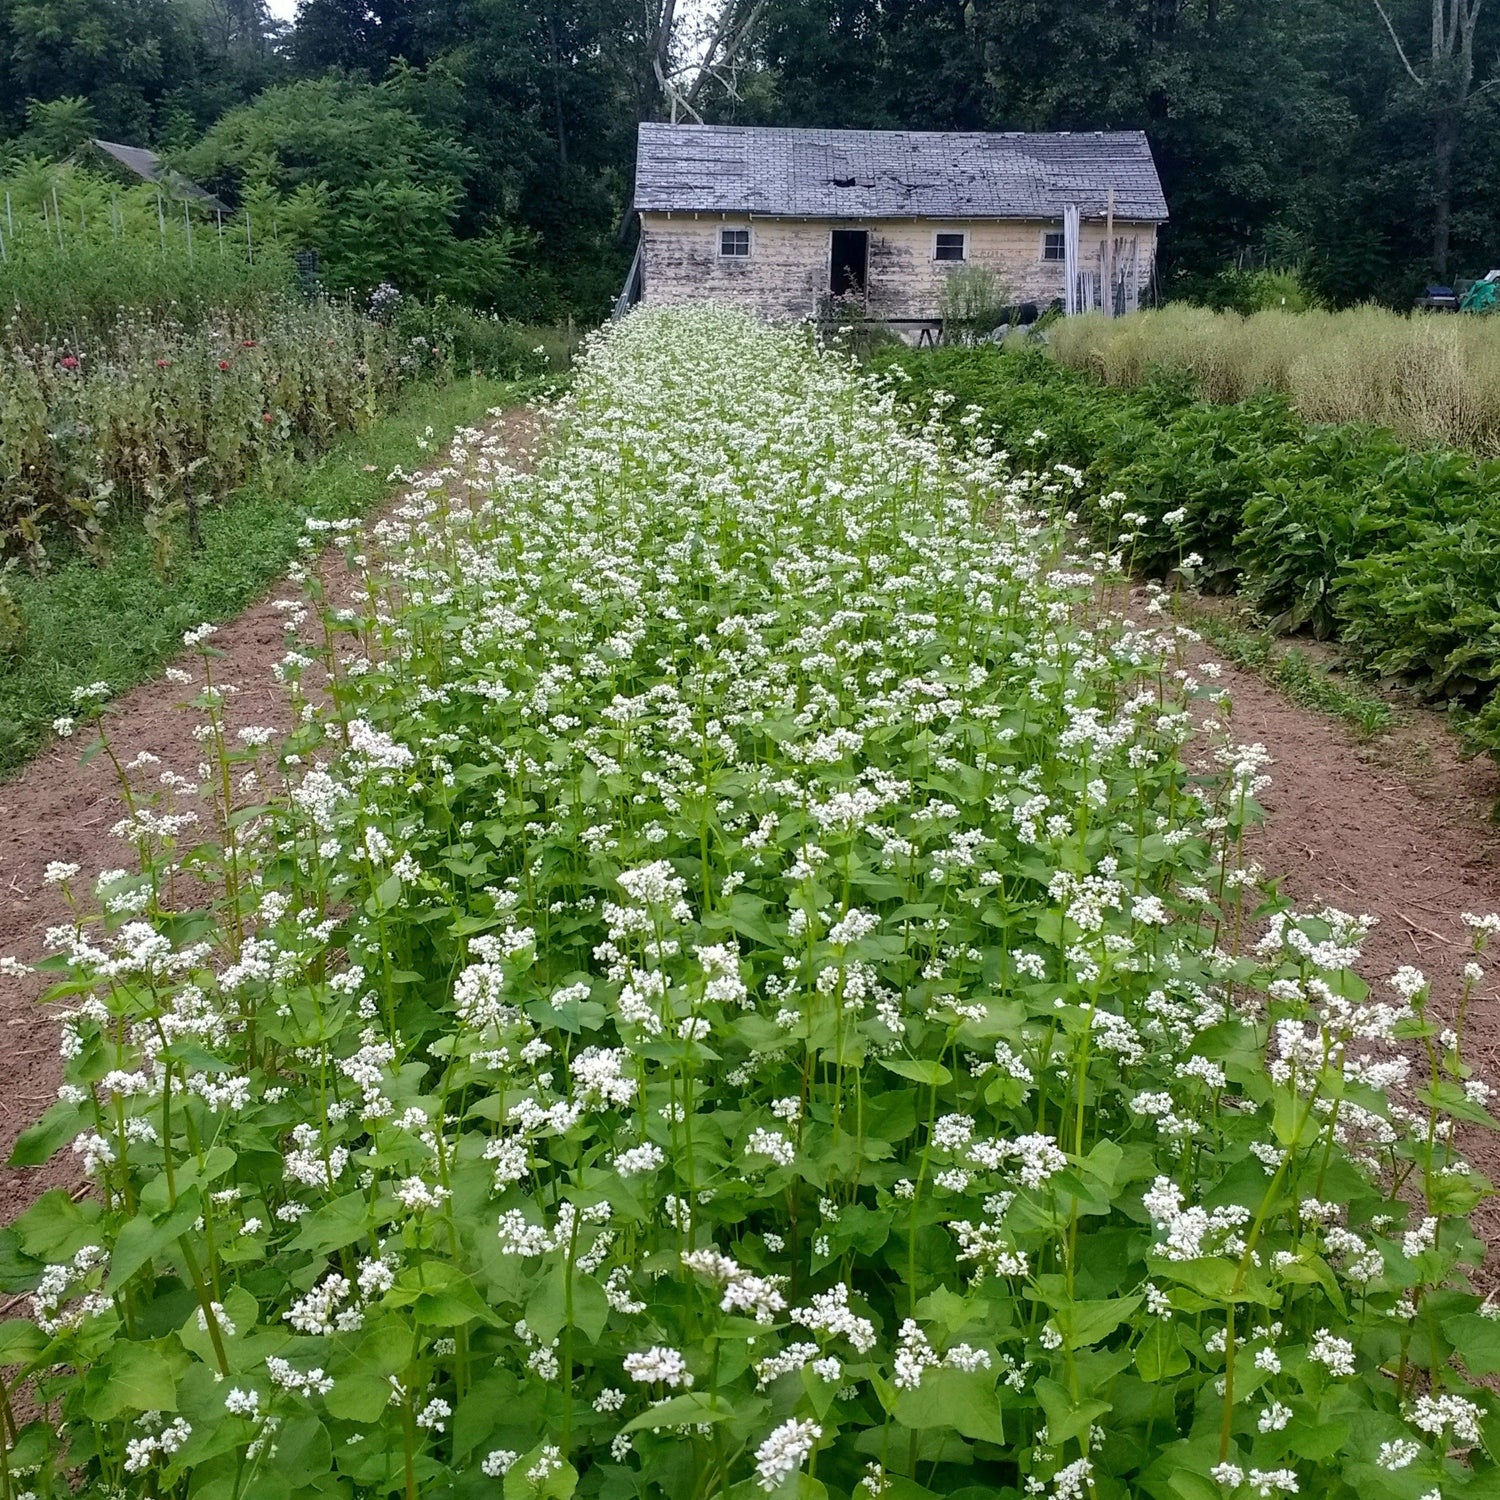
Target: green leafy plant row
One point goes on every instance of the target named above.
(1336, 530)
(165, 419)
(731, 988)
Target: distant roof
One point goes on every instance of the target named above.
(894, 173)
(149, 165)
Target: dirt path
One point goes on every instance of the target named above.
(57, 809)
(1397, 828)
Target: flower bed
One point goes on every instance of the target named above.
(156, 416)
(738, 993)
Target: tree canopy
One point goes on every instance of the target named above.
(1346, 138)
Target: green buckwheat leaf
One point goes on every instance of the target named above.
(440, 1296)
(1160, 1355)
(55, 1227)
(134, 1377)
(1084, 1323)
(1477, 1341)
(687, 1411)
(145, 1236)
(333, 1226)
(966, 1402)
(21, 1342)
(918, 1070)
(36, 1145)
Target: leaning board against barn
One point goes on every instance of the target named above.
(781, 221)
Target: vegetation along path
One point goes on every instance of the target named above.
(60, 810)
(1408, 844)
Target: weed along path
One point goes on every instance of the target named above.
(61, 811)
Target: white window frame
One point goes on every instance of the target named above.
(743, 229)
(1062, 236)
(948, 260)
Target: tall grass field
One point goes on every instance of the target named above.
(1429, 379)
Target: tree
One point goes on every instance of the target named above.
(122, 56)
(356, 36)
(340, 131)
(1446, 84)
(56, 127)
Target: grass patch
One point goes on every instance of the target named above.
(122, 622)
(1303, 681)
(1430, 380)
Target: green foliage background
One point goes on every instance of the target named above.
(1288, 134)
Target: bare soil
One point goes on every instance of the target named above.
(59, 809)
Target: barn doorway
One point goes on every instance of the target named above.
(850, 263)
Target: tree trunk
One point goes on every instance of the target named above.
(557, 103)
(1447, 85)
(1444, 145)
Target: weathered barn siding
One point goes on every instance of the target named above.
(787, 270)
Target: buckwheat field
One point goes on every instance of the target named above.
(744, 980)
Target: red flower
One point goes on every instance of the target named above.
(223, 364)
(68, 362)
(164, 364)
(247, 343)
(267, 418)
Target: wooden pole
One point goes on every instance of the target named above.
(161, 224)
(187, 220)
(57, 219)
(1109, 255)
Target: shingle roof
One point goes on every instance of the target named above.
(894, 173)
(149, 165)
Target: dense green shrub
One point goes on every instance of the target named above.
(345, 168)
(1334, 529)
(1235, 290)
(474, 341)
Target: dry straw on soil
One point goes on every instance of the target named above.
(1430, 379)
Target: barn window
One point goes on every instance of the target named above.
(952, 247)
(734, 244)
(1053, 246)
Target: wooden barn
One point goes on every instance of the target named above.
(783, 221)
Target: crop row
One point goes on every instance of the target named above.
(160, 417)
(1338, 530)
(732, 986)
(1430, 380)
